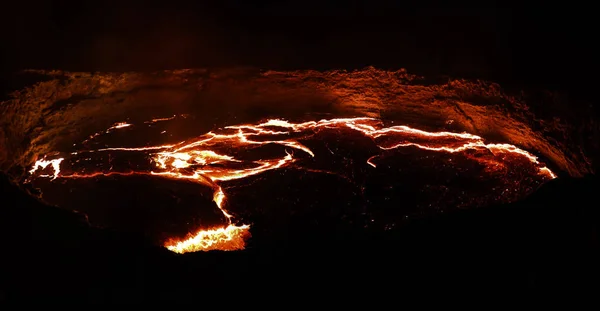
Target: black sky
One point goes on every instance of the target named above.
(536, 43)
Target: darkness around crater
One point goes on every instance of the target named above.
(548, 242)
(538, 43)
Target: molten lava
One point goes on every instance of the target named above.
(227, 154)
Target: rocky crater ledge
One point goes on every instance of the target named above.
(65, 107)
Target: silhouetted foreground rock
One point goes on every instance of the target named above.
(548, 241)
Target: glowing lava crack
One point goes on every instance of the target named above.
(207, 160)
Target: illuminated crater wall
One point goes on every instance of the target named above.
(67, 107)
(456, 144)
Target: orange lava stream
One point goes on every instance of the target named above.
(205, 160)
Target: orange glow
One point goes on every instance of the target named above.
(43, 163)
(211, 160)
(119, 125)
(230, 238)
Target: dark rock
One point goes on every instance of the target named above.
(548, 241)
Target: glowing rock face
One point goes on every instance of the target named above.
(212, 159)
(222, 149)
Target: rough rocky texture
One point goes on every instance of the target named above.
(66, 107)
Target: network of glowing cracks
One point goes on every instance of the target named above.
(195, 160)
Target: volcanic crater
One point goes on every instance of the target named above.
(203, 159)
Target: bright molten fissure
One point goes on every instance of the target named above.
(211, 160)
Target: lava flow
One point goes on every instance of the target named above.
(220, 156)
